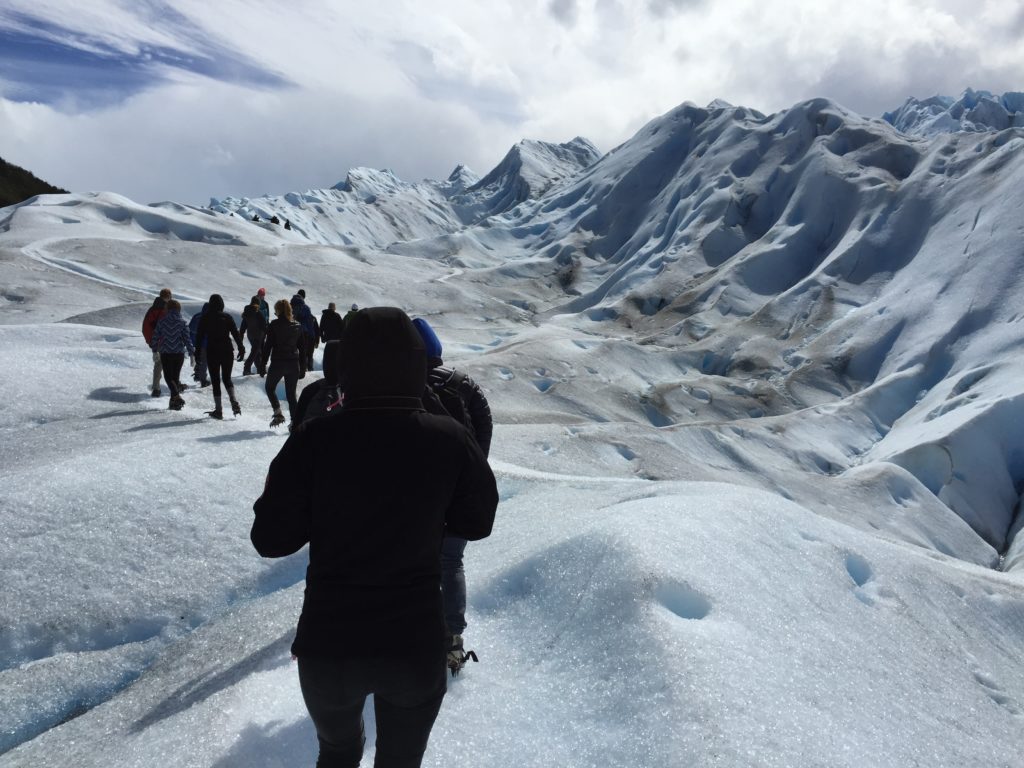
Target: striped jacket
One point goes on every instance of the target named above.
(171, 336)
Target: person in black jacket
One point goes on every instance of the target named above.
(454, 393)
(216, 329)
(255, 329)
(284, 349)
(330, 324)
(310, 327)
(372, 490)
(199, 370)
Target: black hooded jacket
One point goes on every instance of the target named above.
(254, 325)
(216, 329)
(283, 343)
(330, 325)
(373, 490)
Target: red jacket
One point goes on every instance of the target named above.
(153, 316)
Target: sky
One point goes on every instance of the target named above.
(186, 100)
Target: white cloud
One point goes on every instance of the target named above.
(420, 88)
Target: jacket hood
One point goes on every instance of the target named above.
(382, 355)
(216, 302)
(332, 362)
(430, 341)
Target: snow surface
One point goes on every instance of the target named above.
(757, 383)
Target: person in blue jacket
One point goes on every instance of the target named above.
(171, 341)
(455, 394)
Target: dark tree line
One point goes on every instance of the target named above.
(17, 184)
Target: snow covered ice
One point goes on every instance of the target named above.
(757, 383)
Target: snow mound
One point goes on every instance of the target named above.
(106, 214)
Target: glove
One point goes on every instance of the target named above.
(191, 361)
(156, 356)
(241, 354)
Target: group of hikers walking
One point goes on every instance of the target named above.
(279, 349)
(389, 553)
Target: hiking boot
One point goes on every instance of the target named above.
(457, 656)
(176, 403)
(216, 413)
(204, 383)
(155, 392)
(236, 408)
(182, 387)
(278, 419)
(246, 372)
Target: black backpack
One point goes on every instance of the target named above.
(452, 389)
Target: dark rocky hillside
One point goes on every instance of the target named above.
(17, 184)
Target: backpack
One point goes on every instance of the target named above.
(306, 320)
(451, 388)
(153, 316)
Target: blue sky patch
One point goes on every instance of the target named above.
(44, 62)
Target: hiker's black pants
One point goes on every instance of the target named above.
(289, 371)
(255, 357)
(220, 369)
(407, 696)
(171, 363)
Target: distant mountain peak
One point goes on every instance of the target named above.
(463, 175)
(531, 167)
(974, 111)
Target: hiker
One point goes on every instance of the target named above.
(372, 490)
(462, 399)
(330, 325)
(264, 308)
(351, 313)
(149, 321)
(199, 372)
(216, 329)
(284, 356)
(310, 329)
(170, 341)
(255, 328)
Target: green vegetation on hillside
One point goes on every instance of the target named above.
(17, 184)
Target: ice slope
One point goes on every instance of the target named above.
(751, 510)
(810, 259)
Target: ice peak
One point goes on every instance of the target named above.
(974, 111)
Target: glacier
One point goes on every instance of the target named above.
(755, 381)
